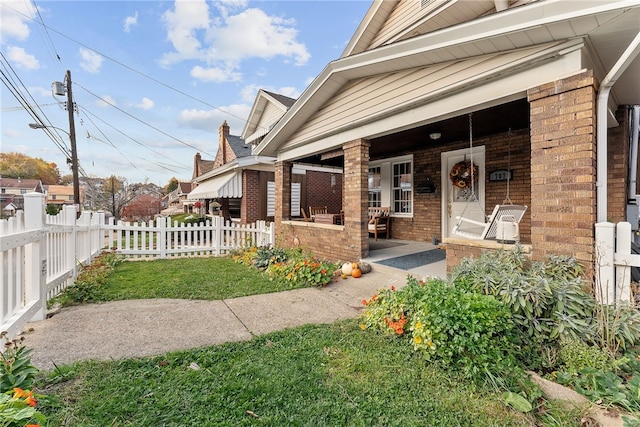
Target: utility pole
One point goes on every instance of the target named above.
(72, 137)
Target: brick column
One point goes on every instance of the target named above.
(250, 197)
(355, 194)
(283, 192)
(563, 168)
(618, 167)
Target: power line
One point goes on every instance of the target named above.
(131, 68)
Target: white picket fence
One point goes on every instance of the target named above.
(162, 239)
(40, 254)
(39, 257)
(614, 259)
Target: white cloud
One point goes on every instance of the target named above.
(90, 61)
(12, 133)
(210, 120)
(225, 40)
(254, 34)
(145, 104)
(22, 59)
(13, 20)
(105, 101)
(182, 24)
(217, 75)
(130, 21)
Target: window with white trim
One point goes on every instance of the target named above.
(391, 184)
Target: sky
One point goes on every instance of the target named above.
(152, 81)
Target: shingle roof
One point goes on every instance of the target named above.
(284, 100)
(239, 147)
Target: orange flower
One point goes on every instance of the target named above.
(32, 425)
(31, 401)
(18, 393)
(393, 288)
(364, 302)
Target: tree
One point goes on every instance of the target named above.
(143, 207)
(172, 185)
(18, 165)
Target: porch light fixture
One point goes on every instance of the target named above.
(435, 135)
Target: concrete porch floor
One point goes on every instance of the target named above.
(384, 249)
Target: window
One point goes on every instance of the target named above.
(23, 191)
(4, 191)
(375, 190)
(53, 197)
(402, 187)
(391, 184)
(70, 197)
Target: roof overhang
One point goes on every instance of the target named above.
(226, 185)
(246, 162)
(529, 25)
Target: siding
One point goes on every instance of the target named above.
(368, 98)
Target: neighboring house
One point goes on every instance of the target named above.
(13, 189)
(59, 195)
(177, 200)
(242, 185)
(536, 90)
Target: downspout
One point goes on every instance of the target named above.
(633, 161)
(601, 126)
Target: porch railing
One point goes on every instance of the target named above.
(40, 254)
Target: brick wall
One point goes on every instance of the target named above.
(250, 211)
(563, 167)
(283, 193)
(321, 192)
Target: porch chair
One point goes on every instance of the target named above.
(317, 210)
(489, 229)
(304, 215)
(379, 222)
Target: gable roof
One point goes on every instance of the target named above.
(29, 184)
(238, 146)
(267, 109)
(599, 30)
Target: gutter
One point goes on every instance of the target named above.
(610, 79)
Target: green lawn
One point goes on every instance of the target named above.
(325, 375)
(187, 278)
(332, 375)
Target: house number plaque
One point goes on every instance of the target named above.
(501, 175)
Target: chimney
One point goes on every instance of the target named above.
(196, 165)
(224, 133)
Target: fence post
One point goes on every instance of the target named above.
(605, 267)
(623, 262)
(272, 234)
(69, 219)
(162, 241)
(36, 255)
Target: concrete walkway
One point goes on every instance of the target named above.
(140, 328)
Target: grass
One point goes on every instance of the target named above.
(187, 278)
(330, 375)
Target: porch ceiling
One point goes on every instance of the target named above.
(498, 119)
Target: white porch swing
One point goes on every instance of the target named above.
(502, 215)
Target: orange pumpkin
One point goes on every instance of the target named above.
(356, 272)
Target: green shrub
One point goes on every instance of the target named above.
(463, 329)
(576, 355)
(266, 256)
(547, 299)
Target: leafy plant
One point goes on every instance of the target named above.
(17, 409)
(547, 299)
(577, 355)
(15, 365)
(266, 256)
(459, 328)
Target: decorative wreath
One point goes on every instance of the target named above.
(460, 174)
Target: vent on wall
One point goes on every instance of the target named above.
(425, 3)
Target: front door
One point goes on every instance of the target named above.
(460, 195)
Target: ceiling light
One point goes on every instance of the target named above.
(435, 135)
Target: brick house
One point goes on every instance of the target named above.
(538, 91)
(242, 185)
(60, 195)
